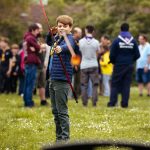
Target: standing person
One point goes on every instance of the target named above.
(21, 70)
(124, 52)
(14, 67)
(142, 66)
(59, 86)
(106, 70)
(41, 72)
(5, 56)
(104, 42)
(31, 62)
(46, 61)
(89, 48)
(77, 34)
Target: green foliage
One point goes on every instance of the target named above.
(14, 30)
(10, 22)
(105, 15)
(24, 128)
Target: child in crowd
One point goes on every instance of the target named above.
(13, 70)
(5, 55)
(106, 69)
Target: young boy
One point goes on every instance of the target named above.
(58, 83)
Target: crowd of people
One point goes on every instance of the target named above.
(93, 75)
(44, 63)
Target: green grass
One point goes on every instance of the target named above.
(23, 128)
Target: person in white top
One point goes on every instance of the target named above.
(89, 48)
(143, 65)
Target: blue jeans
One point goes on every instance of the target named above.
(21, 84)
(30, 77)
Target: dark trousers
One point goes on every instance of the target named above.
(14, 80)
(10, 84)
(86, 74)
(77, 85)
(3, 79)
(7, 84)
(121, 81)
(58, 94)
(47, 89)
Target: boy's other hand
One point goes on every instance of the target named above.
(57, 49)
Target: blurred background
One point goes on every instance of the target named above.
(105, 15)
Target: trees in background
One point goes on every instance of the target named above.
(105, 15)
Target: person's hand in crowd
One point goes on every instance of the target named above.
(76, 68)
(8, 73)
(32, 49)
(43, 48)
(15, 74)
(146, 69)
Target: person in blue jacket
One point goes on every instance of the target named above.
(124, 52)
(59, 86)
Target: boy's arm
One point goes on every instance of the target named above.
(65, 48)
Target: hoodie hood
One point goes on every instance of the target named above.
(125, 34)
(125, 37)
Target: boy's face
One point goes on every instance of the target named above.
(63, 28)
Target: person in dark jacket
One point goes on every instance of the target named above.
(14, 68)
(31, 48)
(5, 56)
(124, 52)
(59, 86)
(77, 34)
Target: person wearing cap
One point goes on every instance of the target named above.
(123, 53)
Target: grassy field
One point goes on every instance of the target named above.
(30, 129)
